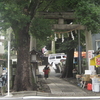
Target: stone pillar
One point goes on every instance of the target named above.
(61, 22)
(32, 43)
(89, 45)
(88, 37)
(53, 46)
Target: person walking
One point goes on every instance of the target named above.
(46, 71)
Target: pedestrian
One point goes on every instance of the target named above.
(46, 71)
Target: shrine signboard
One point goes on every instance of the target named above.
(90, 54)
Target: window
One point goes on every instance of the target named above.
(58, 57)
(52, 57)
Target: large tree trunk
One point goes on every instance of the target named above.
(69, 64)
(22, 79)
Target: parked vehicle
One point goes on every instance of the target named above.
(55, 58)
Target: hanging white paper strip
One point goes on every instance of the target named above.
(72, 35)
(55, 37)
(62, 38)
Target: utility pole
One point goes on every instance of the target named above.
(9, 30)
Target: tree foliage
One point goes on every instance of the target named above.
(13, 13)
(41, 28)
(88, 14)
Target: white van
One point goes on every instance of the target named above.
(55, 58)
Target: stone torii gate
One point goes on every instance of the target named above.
(68, 27)
(61, 16)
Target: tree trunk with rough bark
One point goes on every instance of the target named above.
(22, 79)
(69, 64)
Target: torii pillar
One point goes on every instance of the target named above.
(60, 22)
(89, 46)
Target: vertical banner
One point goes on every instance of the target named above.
(90, 55)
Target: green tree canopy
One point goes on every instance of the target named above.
(41, 28)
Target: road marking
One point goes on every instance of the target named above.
(40, 97)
